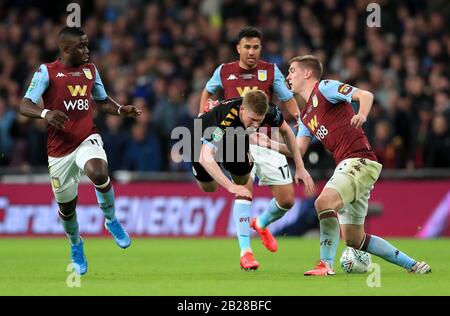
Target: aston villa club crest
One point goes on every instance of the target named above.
(315, 101)
(56, 183)
(87, 73)
(262, 75)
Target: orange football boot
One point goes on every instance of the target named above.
(248, 262)
(266, 236)
(321, 269)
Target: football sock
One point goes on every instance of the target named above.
(271, 214)
(106, 202)
(381, 248)
(241, 215)
(329, 235)
(70, 225)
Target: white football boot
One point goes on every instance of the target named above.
(420, 268)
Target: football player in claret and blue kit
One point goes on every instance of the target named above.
(69, 87)
(328, 116)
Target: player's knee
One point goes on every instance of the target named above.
(321, 203)
(67, 210)
(285, 197)
(97, 171)
(287, 205)
(351, 242)
(325, 202)
(98, 176)
(286, 202)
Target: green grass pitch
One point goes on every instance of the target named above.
(195, 267)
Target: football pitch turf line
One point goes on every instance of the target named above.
(196, 267)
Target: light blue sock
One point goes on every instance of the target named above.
(241, 215)
(106, 203)
(71, 228)
(381, 248)
(329, 235)
(271, 214)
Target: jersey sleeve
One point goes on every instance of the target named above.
(274, 117)
(98, 90)
(303, 130)
(38, 84)
(212, 134)
(214, 82)
(279, 86)
(335, 91)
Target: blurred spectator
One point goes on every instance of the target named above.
(442, 104)
(168, 111)
(187, 120)
(143, 150)
(115, 140)
(420, 132)
(157, 53)
(438, 144)
(19, 133)
(7, 117)
(385, 145)
(37, 143)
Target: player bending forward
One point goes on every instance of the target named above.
(224, 131)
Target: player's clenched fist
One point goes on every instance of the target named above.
(56, 118)
(129, 111)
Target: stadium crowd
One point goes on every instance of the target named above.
(158, 55)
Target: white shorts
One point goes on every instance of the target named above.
(354, 179)
(271, 167)
(65, 171)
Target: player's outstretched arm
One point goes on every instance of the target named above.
(300, 171)
(263, 140)
(292, 107)
(289, 139)
(208, 162)
(303, 143)
(112, 107)
(31, 110)
(365, 99)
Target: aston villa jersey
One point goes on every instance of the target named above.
(236, 81)
(327, 117)
(70, 90)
